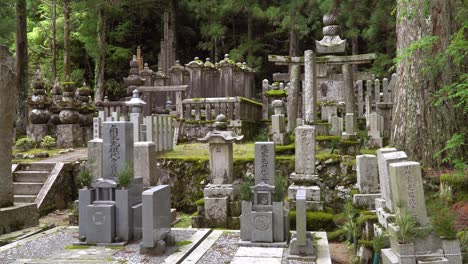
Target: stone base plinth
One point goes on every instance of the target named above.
(69, 136)
(366, 200)
(37, 131)
(17, 217)
(243, 243)
(160, 246)
(375, 142)
(302, 252)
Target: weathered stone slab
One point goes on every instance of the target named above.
(301, 224)
(305, 150)
(366, 200)
(100, 223)
(69, 136)
(312, 192)
(367, 175)
(95, 158)
(349, 133)
(246, 221)
(145, 162)
(216, 210)
(221, 162)
(407, 189)
(265, 162)
(156, 215)
(279, 234)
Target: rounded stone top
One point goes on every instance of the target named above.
(277, 103)
(220, 122)
(275, 86)
(226, 56)
(196, 58)
(134, 62)
(208, 59)
(329, 19)
(106, 99)
(136, 93)
(177, 62)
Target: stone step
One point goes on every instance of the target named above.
(26, 188)
(24, 198)
(36, 166)
(30, 176)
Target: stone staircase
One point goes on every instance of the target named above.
(28, 180)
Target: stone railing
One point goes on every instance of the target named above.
(109, 107)
(234, 108)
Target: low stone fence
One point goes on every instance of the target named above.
(234, 108)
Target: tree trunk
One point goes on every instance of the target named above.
(249, 34)
(54, 39)
(66, 39)
(21, 67)
(101, 29)
(419, 127)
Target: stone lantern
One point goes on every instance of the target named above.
(220, 193)
(136, 103)
(69, 133)
(136, 116)
(278, 124)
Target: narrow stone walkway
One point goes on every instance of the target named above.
(75, 155)
(258, 255)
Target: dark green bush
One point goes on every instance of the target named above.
(316, 221)
(25, 144)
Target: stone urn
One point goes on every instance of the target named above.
(69, 116)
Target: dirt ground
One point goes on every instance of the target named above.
(57, 217)
(339, 253)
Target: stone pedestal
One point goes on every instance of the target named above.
(69, 136)
(37, 131)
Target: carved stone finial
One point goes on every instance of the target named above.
(220, 122)
(331, 42)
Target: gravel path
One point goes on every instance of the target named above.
(131, 253)
(76, 154)
(41, 248)
(223, 250)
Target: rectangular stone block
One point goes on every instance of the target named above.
(136, 119)
(312, 192)
(265, 163)
(117, 147)
(216, 211)
(301, 223)
(305, 150)
(97, 127)
(385, 181)
(367, 175)
(123, 216)
(278, 124)
(95, 161)
(69, 136)
(407, 189)
(278, 222)
(85, 197)
(100, 223)
(137, 215)
(246, 220)
(221, 190)
(366, 200)
(221, 161)
(145, 162)
(156, 215)
(262, 226)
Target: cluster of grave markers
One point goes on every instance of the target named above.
(389, 183)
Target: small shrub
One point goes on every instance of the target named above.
(25, 144)
(48, 142)
(85, 177)
(200, 202)
(406, 224)
(245, 192)
(316, 221)
(281, 187)
(125, 175)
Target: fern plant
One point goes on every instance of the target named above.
(125, 175)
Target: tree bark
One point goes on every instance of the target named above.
(54, 39)
(101, 29)
(21, 67)
(66, 39)
(419, 127)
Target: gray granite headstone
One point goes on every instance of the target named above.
(265, 162)
(301, 223)
(262, 226)
(101, 223)
(117, 147)
(156, 215)
(367, 175)
(305, 150)
(96, 127)
(384, 160)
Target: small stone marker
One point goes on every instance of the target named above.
(349, 133)
(117, 147)
(385, 181)
(305, 150)
(367, 175)
(97, 127)
(265, 162)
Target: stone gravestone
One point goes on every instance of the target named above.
(156, 220)
(117, 147)
(278, 125)
(301, 246)
(304, 176)
(145, 162)
(265, 162)
(375, 132)
(367, 181)
(349, 133)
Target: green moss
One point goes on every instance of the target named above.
(115, 247)
(368, 151)
(366, 243)
(71, 247)
(354, 191)
(349, 142)
(195, 214)
(185, 221)
(324, 156)
(276, 93)
(327, 103)
(337, 235)
(196, 99)
(243, 99)
(350, 163)
(183, 243)
(200, 202)
(286, 149)
(327, 138)
(315, 221)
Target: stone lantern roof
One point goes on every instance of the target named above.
(136, 103)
